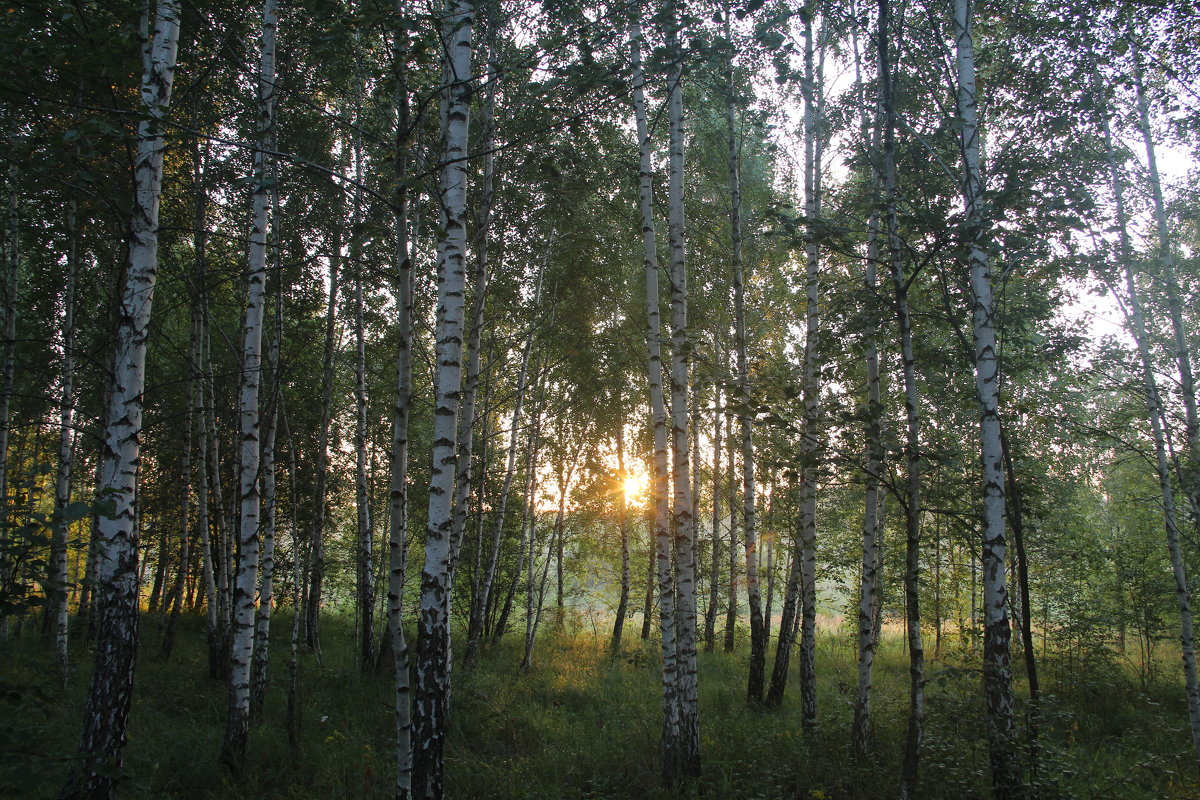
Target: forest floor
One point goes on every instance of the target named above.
(582, 724)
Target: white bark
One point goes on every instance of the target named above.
(433, 661)
(111, 687)
(1190, 471)
(659, 475)
(1006, 775)
(362, 494)
(398, 495)
(59, 582)
(745, 415)
(266, 584)
(244, 595)
(1135, 319)
(810, 444)
(683, 520)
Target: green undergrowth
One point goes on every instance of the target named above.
(584, 724)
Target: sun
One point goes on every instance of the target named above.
(635, 486)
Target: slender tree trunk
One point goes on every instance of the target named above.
(475, 626)
(1190, 469)
(185, 496)
(787, 625)
(1136, 320)
(659, 475)
(111, 690)
(266, 590)
(1006, 775)
(529, 541)
(869, 600)
(810, 445)
(745, 413)
(731, 604)
(237, 728)
(651, 564)
(710, 615)
(433, 632)
(12, 259)
(398, 492)
(623, 522)
(59, 582)
(682, 756)
(312, 624)
(912, 411)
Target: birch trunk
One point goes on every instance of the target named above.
(1006, 775)
(365, 577)
(111, 689)
(810, 445)
(266, 589)
(241, 652)
(682, 757)
(475, 626)
(317, 546)
(623, 522)
(1189, 470)
(787, 625)
(12, 256)
(731, 603)
(710, 615)
(59, 582)
(745, 414)
(468, 422)
(185, 495)
(433, 650)
(1136, 320)
(398, 494)
(912, 414)
(529, 534)
(868, 603)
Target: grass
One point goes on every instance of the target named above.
(582, 724)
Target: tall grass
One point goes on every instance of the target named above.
(584, 724)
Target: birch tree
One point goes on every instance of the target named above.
(59, 580)
(682, 748)
(1006, 776)
(111, 690)
(433, 630)
(1135, 321)
(241, 655)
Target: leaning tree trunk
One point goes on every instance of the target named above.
(433, 631)
(997, 666)
(1189, 470)
(241, 651)
(1136, 320)
(476, 624)
(111, 690)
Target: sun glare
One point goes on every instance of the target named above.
(635, 485)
